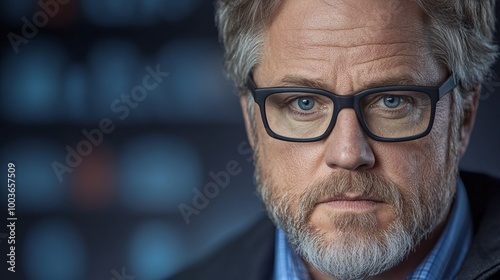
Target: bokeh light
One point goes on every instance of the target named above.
(155, 250)
(158, 172)
(53, 249)
(114, 67)
(39, 189)
(31, 82)
(75, 87)
(94, 179)
(197, 89)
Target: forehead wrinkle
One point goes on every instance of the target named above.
(403, 53)
(324, 45)
(374, 27)
(292, 80)
(401, 57)
(328, 38)
(353, 46)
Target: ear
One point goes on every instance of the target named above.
(248, 124)
(471, 104)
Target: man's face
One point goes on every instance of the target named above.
(349, 192)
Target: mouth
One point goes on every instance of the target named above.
(352, 202)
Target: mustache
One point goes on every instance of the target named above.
(337, 185)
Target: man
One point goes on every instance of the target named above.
(358, 112)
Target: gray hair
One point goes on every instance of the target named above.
(460, 33)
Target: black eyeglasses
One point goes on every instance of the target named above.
(387, 114)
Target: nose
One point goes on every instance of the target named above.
(347, 145)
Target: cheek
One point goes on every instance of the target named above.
(409, 164)
(414, 162)
(441, 133)
(291, 166)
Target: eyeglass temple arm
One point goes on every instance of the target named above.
(449, 85)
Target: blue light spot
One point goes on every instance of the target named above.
(113, 68)
(156, 251)
(30, 83)
(41, 191)
(53, 249)
(158, 172)
(75, 92)
(196, 82)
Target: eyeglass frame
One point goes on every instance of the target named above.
(352, 101)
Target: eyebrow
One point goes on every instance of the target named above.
(295, 81)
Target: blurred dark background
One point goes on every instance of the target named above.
(66, 70)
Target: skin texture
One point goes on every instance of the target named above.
(345, 47)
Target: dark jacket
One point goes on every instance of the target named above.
(251, 255)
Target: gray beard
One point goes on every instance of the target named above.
(354, 256)
(359, 249)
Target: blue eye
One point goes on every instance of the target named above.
(306, 103)
(392, 101)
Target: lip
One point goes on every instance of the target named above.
(352, 197)
(356, 203)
